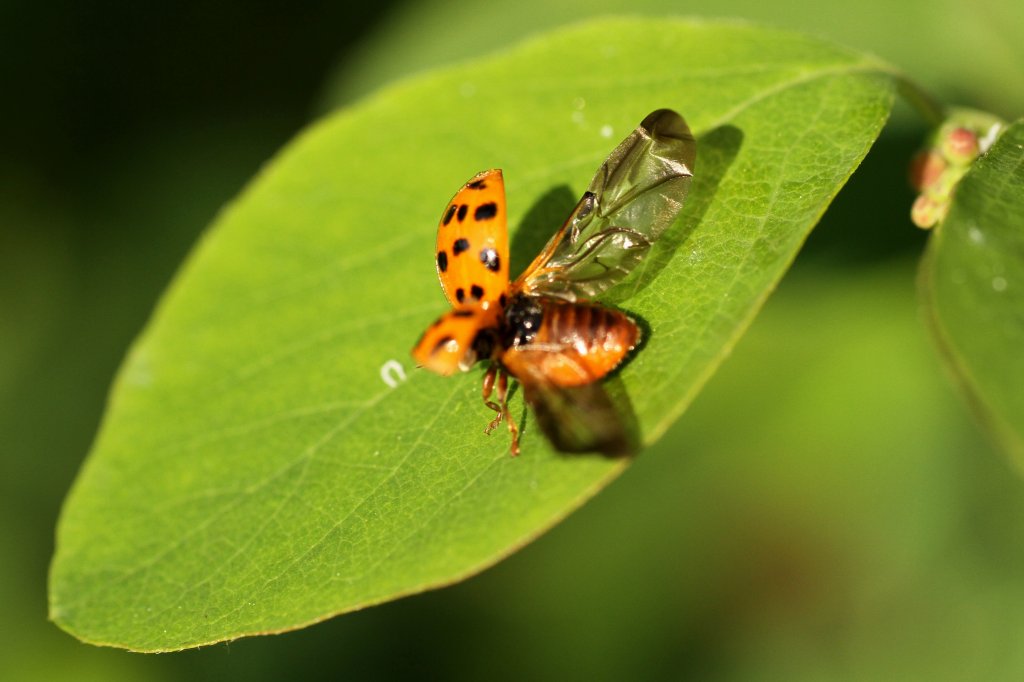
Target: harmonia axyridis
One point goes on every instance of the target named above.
(541, 329)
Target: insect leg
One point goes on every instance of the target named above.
(488, 387)
(503, 399)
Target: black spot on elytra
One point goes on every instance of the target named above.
(502, 300)
(459, 246)
(486, 211)
(441, 344)
(442, 261)
(489, 257)
(476, 291)
(477, 184)
(449, 214)
(463, 313)
(460, 294)
(462, 212)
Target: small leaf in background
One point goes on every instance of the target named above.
(263, 464)
(973, 285)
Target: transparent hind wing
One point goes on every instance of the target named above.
(636, 194)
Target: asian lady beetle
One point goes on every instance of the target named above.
(542, 329)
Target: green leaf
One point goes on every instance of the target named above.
(254, 472)
(973, 284)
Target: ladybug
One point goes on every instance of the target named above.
(544, 329)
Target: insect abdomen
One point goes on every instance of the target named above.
(575, 343)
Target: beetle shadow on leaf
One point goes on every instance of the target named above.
(618, 397)
(716, 151)
(595, 418)
(539, 224)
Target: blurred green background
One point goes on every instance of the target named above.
(826, 510)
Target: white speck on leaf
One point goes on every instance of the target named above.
(606, 131)
(392, 373)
